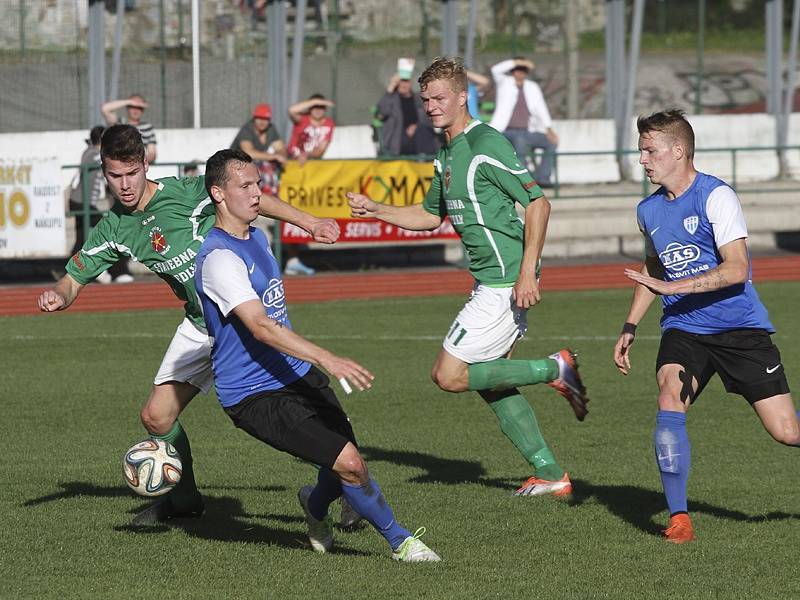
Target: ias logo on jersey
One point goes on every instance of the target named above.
(690, 224)
(158, 242)
(273, 296)
(676, 256)
(447, 175)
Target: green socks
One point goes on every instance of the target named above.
(502, 373)
(518, 423)
(185, 493)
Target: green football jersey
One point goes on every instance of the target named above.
(165, 237)
(477, 181)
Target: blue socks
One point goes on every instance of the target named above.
(328, 489)
(674, 457)
(368, 501)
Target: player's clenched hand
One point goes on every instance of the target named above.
(622, 352)
(526, 291)
(361, 206)
(50, 300)
(341, 367)
(325, 231)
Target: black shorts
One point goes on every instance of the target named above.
(747, 361)
(304, 419)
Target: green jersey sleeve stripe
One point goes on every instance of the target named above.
(106, 245)
(473, 198)
(195, 219)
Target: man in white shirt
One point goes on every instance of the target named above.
(521, 114)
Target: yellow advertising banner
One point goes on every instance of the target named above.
(319, 186)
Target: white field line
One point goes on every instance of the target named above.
(356, 337)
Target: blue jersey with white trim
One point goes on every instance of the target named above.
(242, 365)
(682, 236)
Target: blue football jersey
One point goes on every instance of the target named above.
(243, 366)
(682, 235)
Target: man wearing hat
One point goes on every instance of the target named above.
(407, 129)
(135, 106)
(521, 114)
(261, 140)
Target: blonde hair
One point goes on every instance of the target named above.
(446, 68)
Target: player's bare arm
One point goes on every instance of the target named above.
(281, 338)
(526, 289)
(413, 217)
(642, 299)
(733, 270)
(322, 230)
(60, 296)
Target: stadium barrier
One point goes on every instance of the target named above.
(580, 167)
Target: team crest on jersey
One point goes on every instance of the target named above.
(158, 242)
(690, 224)
(447, 175)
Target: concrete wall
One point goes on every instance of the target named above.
(597, 224)
(585, 135)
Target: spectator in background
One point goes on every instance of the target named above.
(95, 188)
(191, 169)
(261, 140)
(313, 128)
(406, 130)
(135, 106)
(521, 114)
(477, 85)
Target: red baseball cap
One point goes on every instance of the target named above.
(262, 111)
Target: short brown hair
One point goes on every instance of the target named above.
(445, 68)
(671, 122)
(123, 143)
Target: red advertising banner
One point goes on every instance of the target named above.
(319, 187)
(369, 230)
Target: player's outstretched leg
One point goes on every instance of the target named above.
(185, 500)
(368, 501)
(518, 422)
(674, 457)
(559, 370)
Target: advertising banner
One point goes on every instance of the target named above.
(319, 187)
(32, 221)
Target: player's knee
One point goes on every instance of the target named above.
(156, 421)
(667, 400)
(446, 382)
(351, 468)
(788, 433)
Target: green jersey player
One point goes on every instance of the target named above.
(162, 224)
(477, 183)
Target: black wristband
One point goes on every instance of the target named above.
(629, 328)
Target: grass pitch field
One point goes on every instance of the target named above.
(72, 385)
